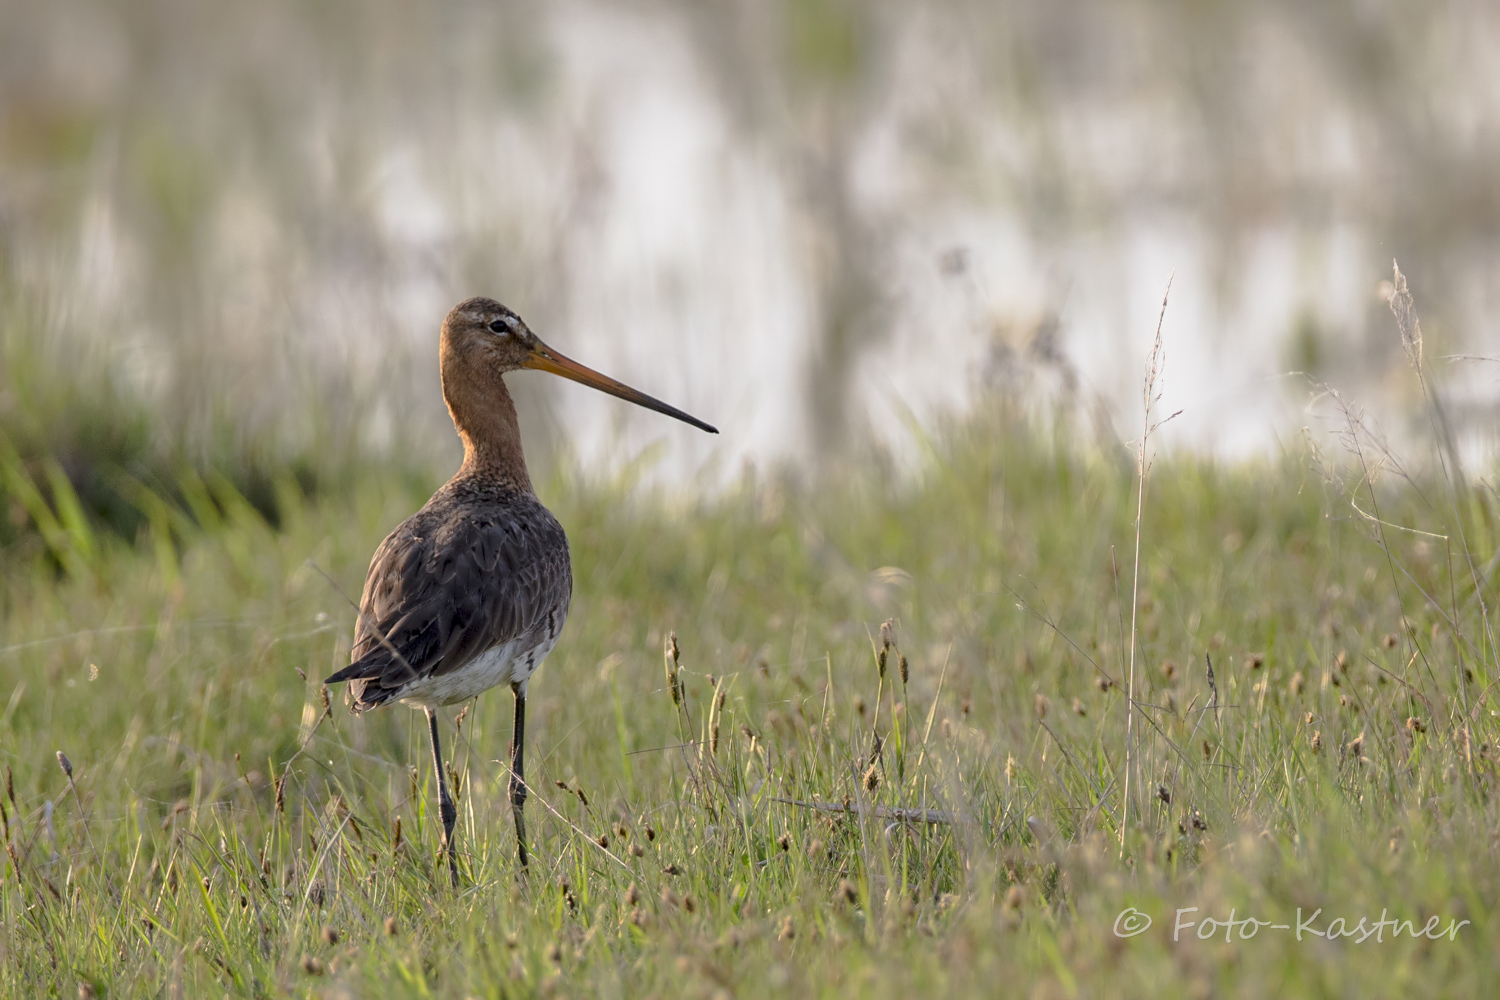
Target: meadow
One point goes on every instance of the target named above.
(955, 722)
(865, 735)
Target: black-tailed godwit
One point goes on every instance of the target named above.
(472, 590)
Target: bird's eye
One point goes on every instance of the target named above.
(499, 326)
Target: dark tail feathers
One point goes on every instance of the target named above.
(361, 694)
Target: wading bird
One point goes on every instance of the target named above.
(472, 590)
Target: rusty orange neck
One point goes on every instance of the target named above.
(485, 417)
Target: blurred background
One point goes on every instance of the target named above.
(228, 232)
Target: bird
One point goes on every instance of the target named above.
(472, 591)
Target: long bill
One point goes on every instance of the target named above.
(544, 358)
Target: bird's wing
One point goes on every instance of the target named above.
(441, 591)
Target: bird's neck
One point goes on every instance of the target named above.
(485, 417)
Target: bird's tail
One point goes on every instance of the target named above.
(361, 694)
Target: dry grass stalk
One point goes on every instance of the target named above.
(1403, 307)
(1150, 396)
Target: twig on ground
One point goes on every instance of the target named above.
(937, 817)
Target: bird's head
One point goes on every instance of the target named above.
(484, 335)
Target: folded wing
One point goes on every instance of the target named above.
(442, 589)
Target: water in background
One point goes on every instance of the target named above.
(810, 222)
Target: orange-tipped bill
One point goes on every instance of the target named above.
(544, 358)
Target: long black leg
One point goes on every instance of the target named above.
(517, 782)
(445, 801)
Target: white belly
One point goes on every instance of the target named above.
(506, 663)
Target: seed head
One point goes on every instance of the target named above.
(672, 655)
(65, 764)
(888, 633)
(1078, 708)
(312, 966)
(632, 895)
(1103, 683)
(330, 935)
(390, 926)
(872, 778)
(1010, 769)
(784, 842)
(1163, 793)
(904, 671)
(1389, 640)
(1317, 741)
(848, 892)
(1297, 683)
(787, 931)
(1416, 725)
(1169, 668)
(1040, 705)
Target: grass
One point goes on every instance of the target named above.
(232, 833)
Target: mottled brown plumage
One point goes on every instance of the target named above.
(479, 568)
(472, 590)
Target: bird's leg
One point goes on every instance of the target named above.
(517, 782)
(445, 801)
